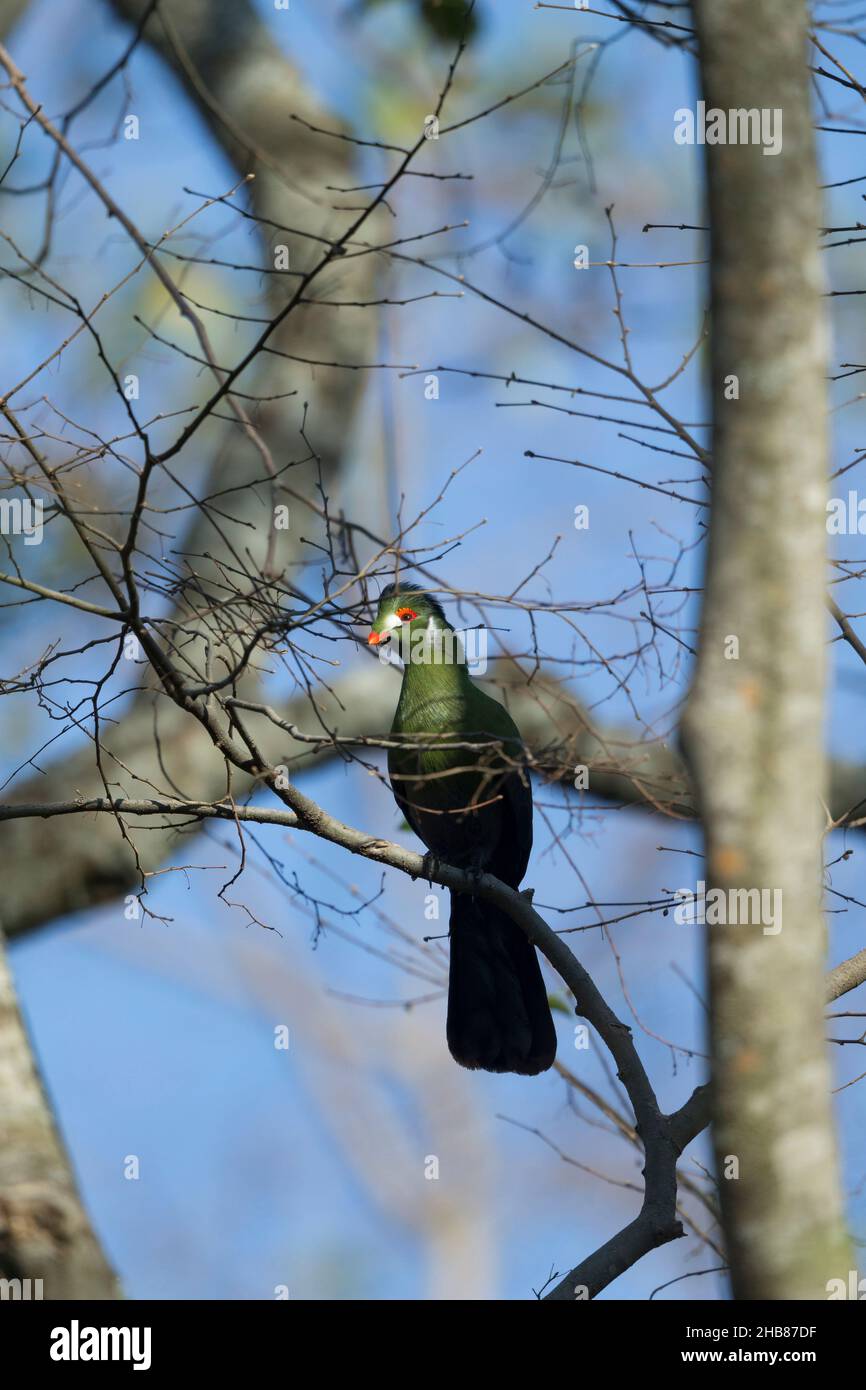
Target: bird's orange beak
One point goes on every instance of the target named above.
(375, 637)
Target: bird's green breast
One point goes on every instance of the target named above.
(440, 707)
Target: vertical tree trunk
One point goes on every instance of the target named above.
(44, 1231)
(753, 724)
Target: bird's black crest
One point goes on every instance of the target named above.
(390, 590)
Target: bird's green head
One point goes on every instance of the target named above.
(405, 609)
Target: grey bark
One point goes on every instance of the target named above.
(754, 723)
(656, 1225)
(45, 1233)
(85, 862)
(247, 91)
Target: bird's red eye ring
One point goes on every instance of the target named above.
(405, 613)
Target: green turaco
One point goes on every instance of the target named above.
(472, 807)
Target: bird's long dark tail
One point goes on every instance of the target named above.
(498, 1015)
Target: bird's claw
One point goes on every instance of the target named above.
(430, 866)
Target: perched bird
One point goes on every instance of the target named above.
(456, 775)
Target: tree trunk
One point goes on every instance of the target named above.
(45, 1235)
(753, 726)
